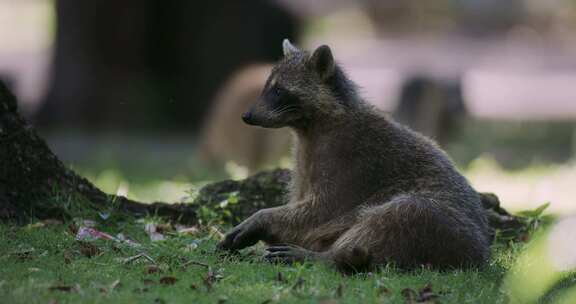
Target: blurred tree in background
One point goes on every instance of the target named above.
(154, 63)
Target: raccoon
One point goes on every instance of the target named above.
(366, 191)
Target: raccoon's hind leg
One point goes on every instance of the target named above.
(354, 261)
(410, 231)
(315, 244)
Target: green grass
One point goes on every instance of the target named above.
(34, 260)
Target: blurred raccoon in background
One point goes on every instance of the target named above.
(225, 138)
(434, 107)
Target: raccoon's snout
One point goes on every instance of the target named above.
(247, 117)
(260, 116)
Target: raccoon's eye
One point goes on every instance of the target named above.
(277, 90)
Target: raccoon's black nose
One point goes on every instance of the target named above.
(247, 117)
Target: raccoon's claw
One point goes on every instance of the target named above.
(288, 254)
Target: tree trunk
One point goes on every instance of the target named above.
(154, 64)
(34, 183)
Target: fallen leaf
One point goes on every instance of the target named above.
(63, 288)
(167, 280)
(426, 295)
(524, 238)
(88, 250)
(91, 234)
(164, 227)
(193, 287)
(155, 237)
(67, 257)
(151, 269)
(44, 223)
(148, 282)
(409, 295)
(187, 230)
(383, 291)
(152, 230)
(207, 282)
(73, 229)
(210, 278)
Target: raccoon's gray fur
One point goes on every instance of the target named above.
(366, 191)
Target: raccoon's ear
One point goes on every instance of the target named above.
(322, 62)
(288, 48)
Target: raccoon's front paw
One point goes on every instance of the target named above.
(244, 235)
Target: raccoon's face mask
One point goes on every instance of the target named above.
(277, 107)
(286, 100)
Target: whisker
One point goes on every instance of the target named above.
(284, 109)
